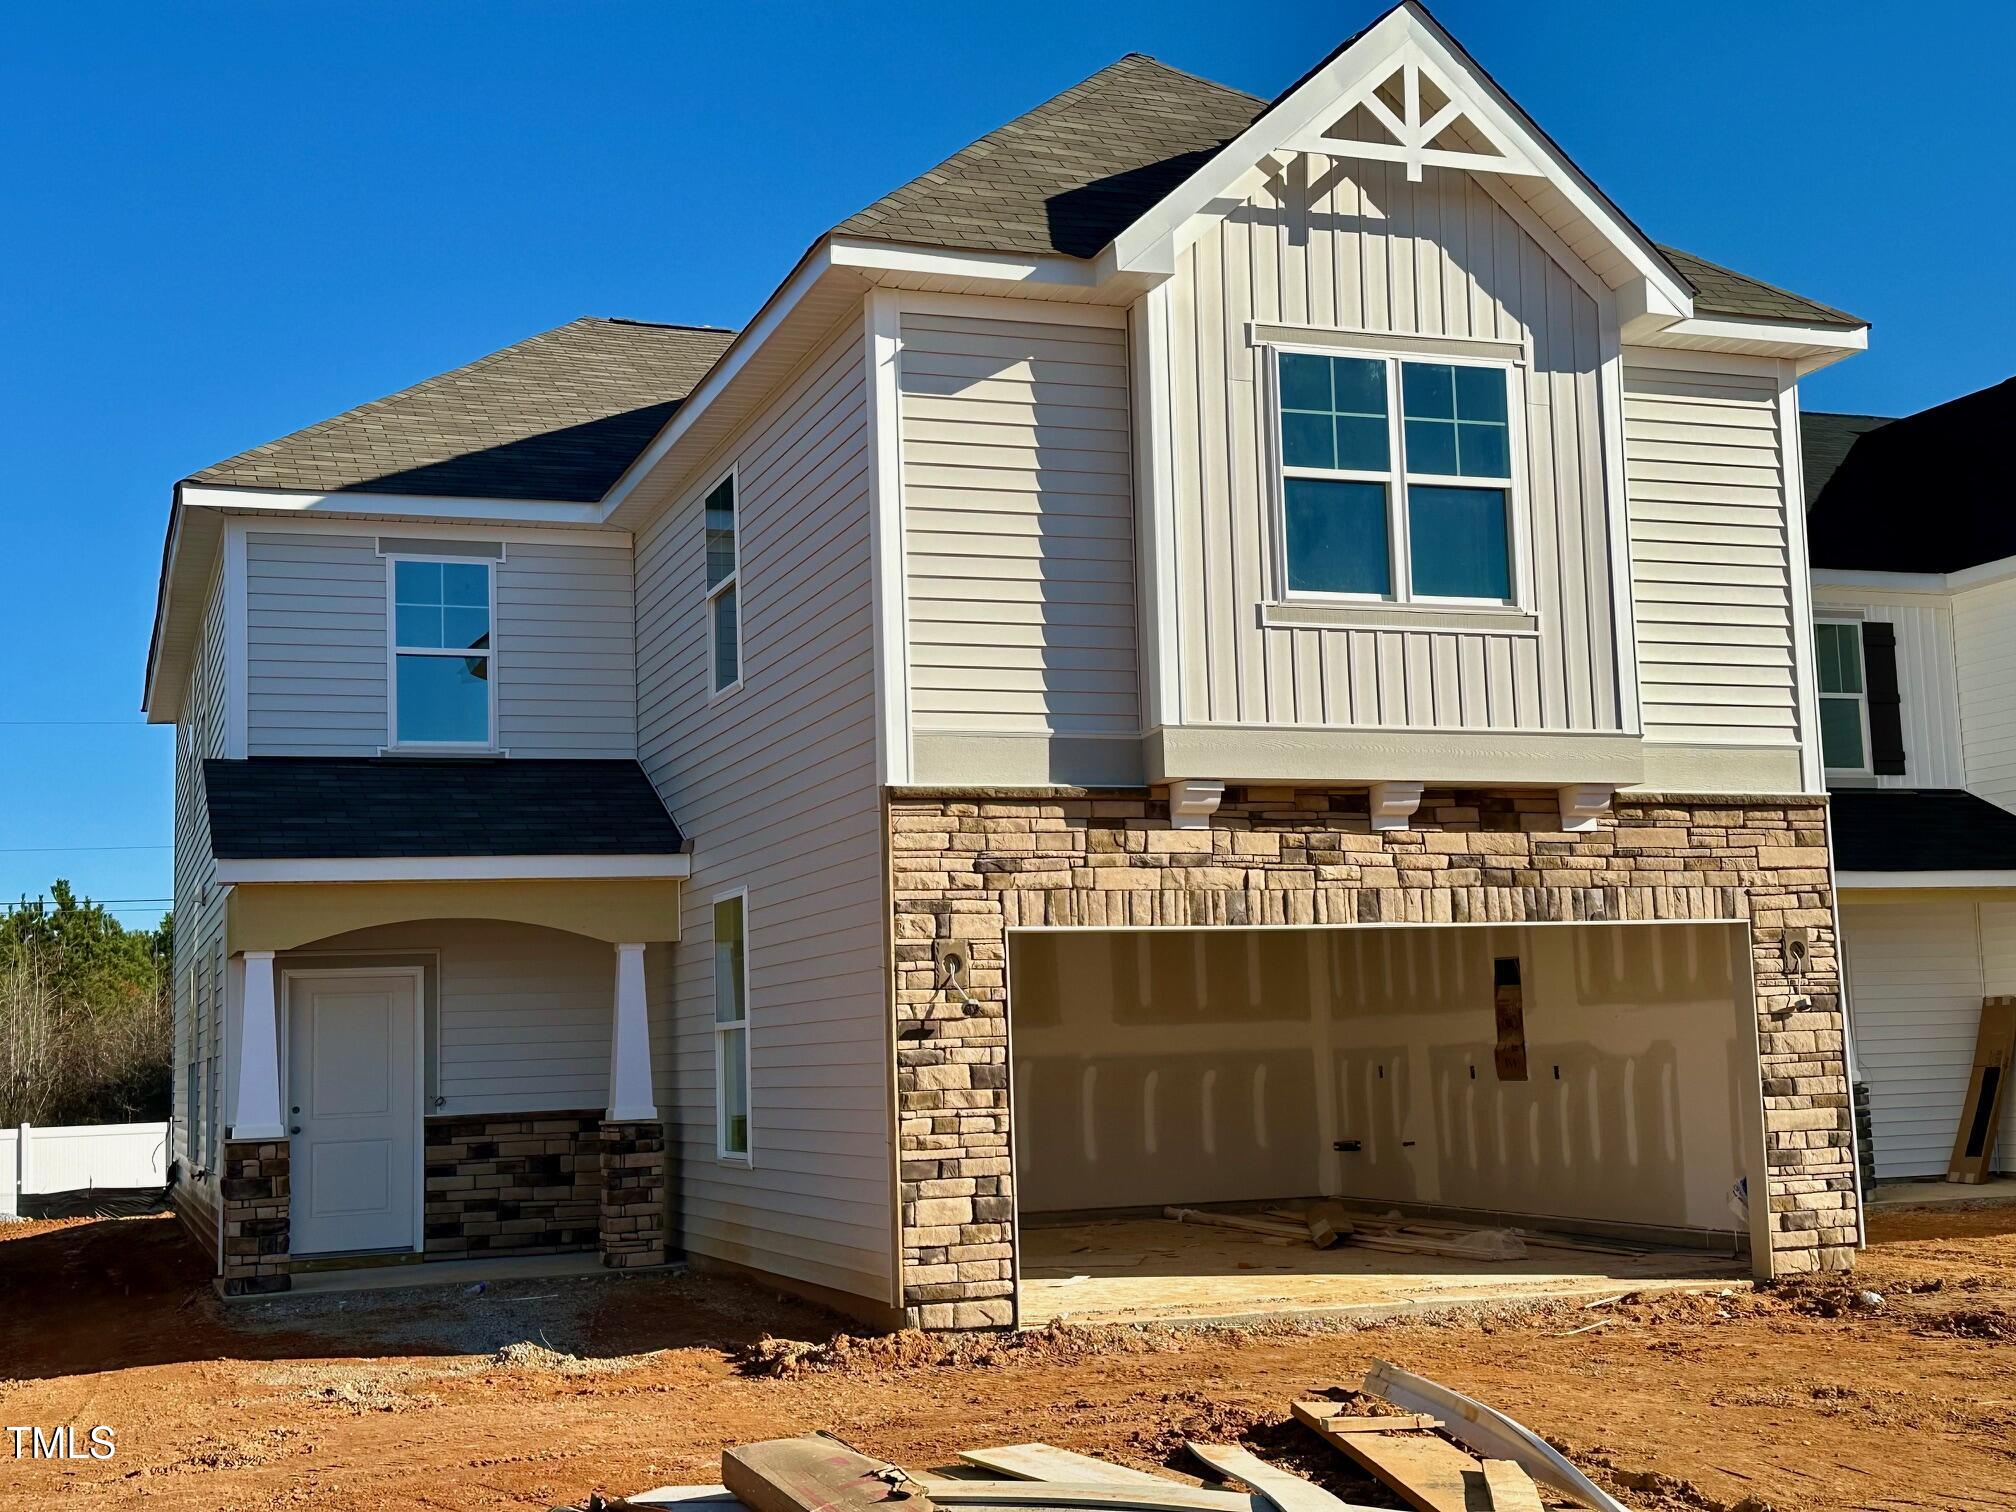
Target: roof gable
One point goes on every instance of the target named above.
(557, 417)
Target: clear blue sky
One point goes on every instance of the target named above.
(222, 222)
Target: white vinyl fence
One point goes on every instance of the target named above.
(84, 1158)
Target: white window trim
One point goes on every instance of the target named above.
(712, 591)
(747, 1155)
(1396, 478)
(393, 651)
(1868, 767)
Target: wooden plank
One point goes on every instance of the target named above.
(1488, 1431)
(1274, 1227)
(1511, 1488)
(1044, 1462)
(1335, 1417)
(1430, 1474)
(807, 1474)
(677, 1496)
(1987, 1090)
(1098, 1495)
(1286, 1490)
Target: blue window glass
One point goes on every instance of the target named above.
(1455, 420)
(1333, 413)
(1458, 542)
(442, 607)
(444, 699)
(1337, 540)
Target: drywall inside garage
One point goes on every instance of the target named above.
(1159, 1066)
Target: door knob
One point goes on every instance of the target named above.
(294, 1128)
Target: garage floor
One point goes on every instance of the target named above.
(1143, 1270)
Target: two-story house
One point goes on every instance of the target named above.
(1914, 603)
(1203, 650)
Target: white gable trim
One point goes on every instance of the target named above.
(1406, 37)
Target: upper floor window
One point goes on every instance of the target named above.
(724, 577)
(1398, 501)
(1844, 696)
(442, 657)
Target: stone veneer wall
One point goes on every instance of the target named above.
(970, 866)
(517, 1184)
(256, 1199)
(633, 1194)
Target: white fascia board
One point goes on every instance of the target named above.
(1315, 104)
(776, 310)
(453, 868)
(404, 506)
(1811, 346)
(1853, 881)
(997, 267)
(153, 706)
(1852, 578)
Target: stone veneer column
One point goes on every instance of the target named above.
(633, 1193)
(969, 866)
(255, 1196)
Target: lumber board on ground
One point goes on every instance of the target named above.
(807, 1474)
(679, 1496)
(1987, 1089)
(1286, 1490)
(1430, 1474)
(1045, 1462)
(1488, 1431)
(1511, 1488)
(1337, 1419)
(1278, 1228)
(1098, 1495)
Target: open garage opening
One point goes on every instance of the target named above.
(1591, 1088)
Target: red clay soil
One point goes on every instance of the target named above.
(1804, 1397)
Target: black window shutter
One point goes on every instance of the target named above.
(1886, 713)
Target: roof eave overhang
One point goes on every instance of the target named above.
(1874, 580)
(1653, 288)
(262, 871)
(1808, 347)
(1886, 881)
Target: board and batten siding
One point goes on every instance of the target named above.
(1018, 526)
(1984, 638)
(1344, 244)
(775, 784)
(1927, 687)
(316, 653)
(1710, 558)
(1917, 972)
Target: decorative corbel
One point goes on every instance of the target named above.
(1583, 803)
(1192, 802)
(1393, 804)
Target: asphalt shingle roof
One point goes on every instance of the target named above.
(1076, 171)
(1927, 493)
(557, 416)
(1934, 829)
(270, 808)
(1825, 440)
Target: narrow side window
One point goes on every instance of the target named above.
(731, 1027)
(724, 577)
(1844, 701)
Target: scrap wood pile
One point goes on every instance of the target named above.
(1436, 1449)
(1326, 1224)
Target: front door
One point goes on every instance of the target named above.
(352, 1073)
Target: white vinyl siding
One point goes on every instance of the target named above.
(1347, 245)
(1926, 683)
(316, 663)
(1916, 975)
(519, 1016)
(1018, 526)
(1710, 559)
(777, 787)
(199, 903)
(1984, 638)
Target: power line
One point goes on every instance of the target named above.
(43, 850)
(72, 724)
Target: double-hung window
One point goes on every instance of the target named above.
(724, 578)
(731, 1027)
(442, 654)
(1396, 478)
(1844, 697)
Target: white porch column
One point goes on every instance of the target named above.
(258, 1102)
(630, 1042)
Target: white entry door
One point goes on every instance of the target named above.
(353, 1061)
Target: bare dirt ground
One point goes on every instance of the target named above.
(531, 1394)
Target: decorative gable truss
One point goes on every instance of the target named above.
(1405, 92)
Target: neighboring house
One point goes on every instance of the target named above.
(1288, 617)
(1914, 604)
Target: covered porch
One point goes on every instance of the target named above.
(444, 1057)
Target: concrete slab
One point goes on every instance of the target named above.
(459, 1273)
(1143, 1270)
(1941, 1193)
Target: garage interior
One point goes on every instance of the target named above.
(1591, 1088)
